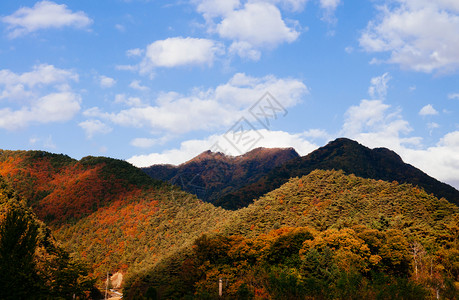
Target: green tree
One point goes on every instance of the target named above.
(18, 241)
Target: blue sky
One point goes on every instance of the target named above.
(162, 81)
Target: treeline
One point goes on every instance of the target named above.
(301, 263)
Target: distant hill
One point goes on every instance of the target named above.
(349, 156)
(210, 175)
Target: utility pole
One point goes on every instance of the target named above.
(106, 287)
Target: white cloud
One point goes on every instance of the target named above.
(329, 8)
(433, 125)
(419, 34)
(44, 15)
(20, 86)
(376, 124)
(135, 84)
(244, 50)
(317, 134)
(179, 51)
(149, 142)
(252, 25)
(135, 52)
(55, 107)
(93, 127)
(372, 115)
(454, 96)
(144, 142)
(205, 109)
(258, 23)
(440, 161)
(292, 5)
(191, 148)
(216, 8)
(106, 82)
(129, 101)
(428, 110)
(378, 87)
(120, 28)
(40, 96)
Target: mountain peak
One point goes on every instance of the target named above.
(259, 153)
(211, 175)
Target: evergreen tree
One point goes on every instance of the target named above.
(18, 241)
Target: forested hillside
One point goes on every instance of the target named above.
(211, 175)
(326, 235)
(105, 211)
(352, 158)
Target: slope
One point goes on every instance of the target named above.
(325, 235)
(210, 175)
(352, 158)
(105, 211)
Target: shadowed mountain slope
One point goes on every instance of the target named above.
(210, 175)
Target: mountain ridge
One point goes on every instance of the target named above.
(210, 175)
(349, 156)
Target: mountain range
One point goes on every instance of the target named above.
(291, 219)
(234, 182)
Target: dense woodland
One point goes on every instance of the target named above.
(324, 235)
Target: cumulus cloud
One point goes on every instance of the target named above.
(454, 96)
(202, 109)
(44, 15)
(190, 148)
(244, 50)
(93, 127)
(42, 95)
(419, 34)
(259, 24)
(129, 101)
(20, 86)
(250, 26)
(428, 110)
(179, 51)
(135, 84)
(55, 107)
(106, 82)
